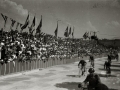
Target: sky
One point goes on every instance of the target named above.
(101, 16)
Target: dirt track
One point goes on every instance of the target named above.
(60, 77)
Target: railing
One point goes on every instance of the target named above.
(16, 67)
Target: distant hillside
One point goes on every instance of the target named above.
(113, 43)
(116, 38)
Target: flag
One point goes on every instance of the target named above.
(17, 25)
(20, 25)
(26, 23)
(43, 34)
(56, 30)
(33, 23)
(73, 32)
(38, 30)
(85, 36)
(66, 32)
(13, 22)
(70, 31)
(32, 26)
(5, 19)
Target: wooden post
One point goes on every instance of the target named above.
(9, 67)
(5, 69)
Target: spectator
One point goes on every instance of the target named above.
(93, 79)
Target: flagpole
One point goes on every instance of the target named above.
(67, 40)
(41, 24)
(72, 38)
(57, 29)
(40, 28)
(35, 22)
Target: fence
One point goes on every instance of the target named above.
(9, 68)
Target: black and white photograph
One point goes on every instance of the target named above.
(60, 45)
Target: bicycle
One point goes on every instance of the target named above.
(82, 86)
(82, 70)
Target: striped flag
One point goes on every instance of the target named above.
(66, 32)
(56, 30)
(13, 22)
(85, 36)
(73, 33)
(26, 23)
(17, 25)
(70, 31)
(32, 26)
(38, 29)
(5, 19)
(21, 25)
(33, 23)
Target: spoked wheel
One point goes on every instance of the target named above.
(82, 87)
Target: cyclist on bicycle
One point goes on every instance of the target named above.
(107, 66)
(91, 59)
(109, 58)
(93, 79)
(82, 66)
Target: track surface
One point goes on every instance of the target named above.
(60, 77)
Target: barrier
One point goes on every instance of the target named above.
(9, 68)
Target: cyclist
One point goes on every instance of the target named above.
(93, 79)
(91, 59)
(107, 65)
(82, 67)
(116, 56)
(109, 58)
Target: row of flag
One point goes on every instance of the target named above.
(90, 35)
(32, 27)
(69, 32)
(25, 25)
(12, 20)
(86, 35)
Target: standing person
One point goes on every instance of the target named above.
(82, 67)
(91, 59)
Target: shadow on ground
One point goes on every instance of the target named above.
(73, 75)
(72, 86)
(68, 85)
(117, 70)
(104, 75)
(115, 65)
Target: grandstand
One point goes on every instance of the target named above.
(21, 51)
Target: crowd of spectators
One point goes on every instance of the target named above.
(15, 45)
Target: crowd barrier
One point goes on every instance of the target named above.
(9, 68)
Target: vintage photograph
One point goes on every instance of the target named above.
(60, 45)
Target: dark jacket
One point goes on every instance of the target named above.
(93, 80)
(82, 62)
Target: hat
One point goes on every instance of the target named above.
(91, 70)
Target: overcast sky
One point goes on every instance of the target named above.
(102, 16)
